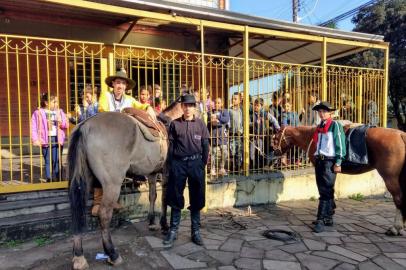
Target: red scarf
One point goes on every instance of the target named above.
(324, 130)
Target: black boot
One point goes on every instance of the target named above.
(328, 220)
(195, 223)
(321, 214)
(173, 230)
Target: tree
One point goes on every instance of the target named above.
(387, 18)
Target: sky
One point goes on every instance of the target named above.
(312, 11)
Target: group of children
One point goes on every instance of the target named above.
(49, 123)
(226, 126)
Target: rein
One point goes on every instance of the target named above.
(283, 138)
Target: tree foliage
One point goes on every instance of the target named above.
(387, 18)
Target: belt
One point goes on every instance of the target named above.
(192, 157)
(323, 157)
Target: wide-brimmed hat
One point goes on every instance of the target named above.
(323, 105)
(120, 74)
(188, 99)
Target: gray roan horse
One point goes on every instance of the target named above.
(106, 147)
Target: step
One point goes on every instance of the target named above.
(34, 206)
(29, 226)
(33, 195)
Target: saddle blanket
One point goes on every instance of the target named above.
(357, 151)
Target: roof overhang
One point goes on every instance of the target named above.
(269, 39)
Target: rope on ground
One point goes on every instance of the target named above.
(230, 222)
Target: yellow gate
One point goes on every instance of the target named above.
(31, 67)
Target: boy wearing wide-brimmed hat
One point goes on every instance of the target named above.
(117, 100)
(329, 139)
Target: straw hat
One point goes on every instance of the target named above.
(121, 74)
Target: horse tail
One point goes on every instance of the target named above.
(78, 187)
(402, 180)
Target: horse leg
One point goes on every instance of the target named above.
(79, 261)
(163, 222)
(152, 198)
(394, 188)
(105, 215)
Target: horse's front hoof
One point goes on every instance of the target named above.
(118, 261)
(392, 231)
(79, 263)
(153, 227)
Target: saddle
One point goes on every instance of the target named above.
(154, 128)
(357, 151)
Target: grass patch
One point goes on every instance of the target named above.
(357, 197)
(42, 241)
(312, 199)
(12, 243)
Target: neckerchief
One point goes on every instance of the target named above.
(322, 129)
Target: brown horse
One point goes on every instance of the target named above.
(386, 153)
(106, 147)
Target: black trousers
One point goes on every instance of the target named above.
(193, 171)
(325, 178)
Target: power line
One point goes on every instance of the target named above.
(349, 13)
(308, 12)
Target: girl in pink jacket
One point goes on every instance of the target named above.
(48, 132)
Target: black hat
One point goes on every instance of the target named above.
(323, 105)
(121, 74)
(188, 99)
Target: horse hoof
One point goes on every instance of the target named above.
(392, 231)
(79, 263)
(118, 261)
(153, 227)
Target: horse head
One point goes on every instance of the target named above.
(281, 141)
(172, 112)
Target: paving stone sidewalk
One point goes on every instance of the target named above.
(233, 240)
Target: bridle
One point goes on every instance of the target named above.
(283, 138)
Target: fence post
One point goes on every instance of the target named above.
(385, 89)
(360, 99)
(324, 69)
(103, 73)
(204, 116)
(246, 103)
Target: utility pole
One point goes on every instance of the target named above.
(297, 94)
(295, 9)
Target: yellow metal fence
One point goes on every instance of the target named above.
(281, 92)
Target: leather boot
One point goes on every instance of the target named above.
(195, 223)
(173, 230)
(322, 212)
(328, 220)
(97, 197)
